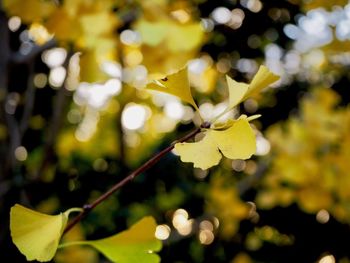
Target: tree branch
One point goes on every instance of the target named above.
(19, 58)
(155, 159)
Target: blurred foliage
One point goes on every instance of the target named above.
(75, 119)
(316, 156)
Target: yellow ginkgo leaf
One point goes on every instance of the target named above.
(176, 84)
(228, 123)
(203, 154)
(136, 244)
(35, 234)
(236, 91)
(262, 79)
(235, 139)
(239, 91)
(219, 126)
(236, 142)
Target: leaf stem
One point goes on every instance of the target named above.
(73, 243)
(152, 161)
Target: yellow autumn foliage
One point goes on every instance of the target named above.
(311, 158)
(224, 202)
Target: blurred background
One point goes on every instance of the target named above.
(75, 119)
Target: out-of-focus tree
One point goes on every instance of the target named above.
(76, 118)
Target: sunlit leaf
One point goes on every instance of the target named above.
(136, 244)
(239, 91)
(235, 140)
(35, 234)
(262, 79)
(75, 254)
(176, 84)
(203, 154)
(236, 91)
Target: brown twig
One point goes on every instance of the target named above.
(88, 207)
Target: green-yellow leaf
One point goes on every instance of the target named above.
(176, 84)
(136, 244)
(176, 36)
(35, 234)
(152, 33)
(235, 140)
(203, 154)
(185, 37)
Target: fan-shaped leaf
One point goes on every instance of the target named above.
(136, 244)
(239, 91)
(235, 140)
(203, 154)
(176, 84)
(35, 234)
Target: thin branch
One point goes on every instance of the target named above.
(155, 159)
(19, 58)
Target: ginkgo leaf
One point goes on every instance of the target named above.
(235, 139)
(262, 79)
(136, 244)
(203, 154)
(236, 142)
(176, 84)
(228, 123)
(236, 91)
(223, 125)
(239, 91)
(35, 234)
(253, 117)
